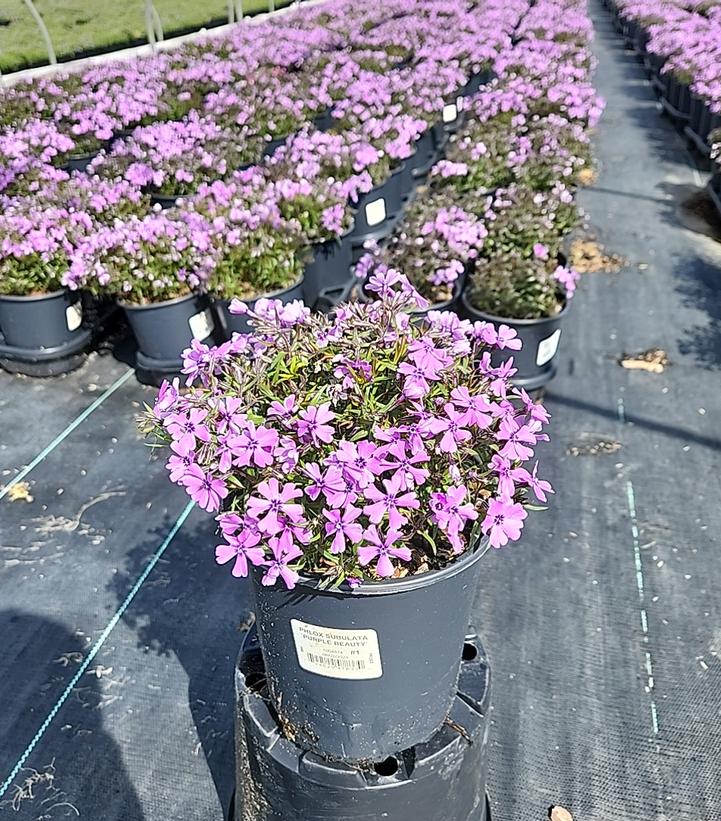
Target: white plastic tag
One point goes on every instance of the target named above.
(74, 316)
(459, 103)
(376, 211)
(201, 325)
(346, 654)
(450, 112)
(547, 348)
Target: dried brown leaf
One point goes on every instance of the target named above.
(20, 492)
(560, 814)
(654, 360)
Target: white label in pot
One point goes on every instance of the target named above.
(376, 211)
(74, 316)
(547, 348)
(348, 654)
(201, 325)
(450, 112)
(459, 103)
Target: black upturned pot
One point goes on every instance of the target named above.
(163, 330)
(330, 267)
(536, 361)
(238, 323)
(360, 674)
(377, 208)
(442, 777)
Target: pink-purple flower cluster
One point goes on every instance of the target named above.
(358, 446)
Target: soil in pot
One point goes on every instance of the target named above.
(238, 323)
(360, 674)
(165, 329)
(536, 361)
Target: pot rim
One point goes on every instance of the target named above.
(267, 295)
(508, 320)
(392, 586)
(38, 297)
(130, 306)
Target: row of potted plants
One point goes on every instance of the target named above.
(361, 463)
(681, 44)
(244, 237)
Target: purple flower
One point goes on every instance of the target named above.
(540, 486)
(186, 428)
(478, 410)
(343, 526)
(451, 427)
(451, 512)
(359, 462)
(517, 438)
(254, 446)
(207, 491)
(503, 521)
(397, 459)
(381, 547)
(240, 549)
(284, 550)
(312, 424)
(507, 475)
(274, 503)
(391, 502)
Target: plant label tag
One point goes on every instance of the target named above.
(459, 103)
(347, 654)
(376, 211)
(74, 316)
(547, 348)
(201, 325)
(450, 112)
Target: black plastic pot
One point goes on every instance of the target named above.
(422, 161)
(44, 321)
(377, 208)
(330, 267)
(80, 162)
(43, 335)
(397, 685)
(324, 121)
(163, 330)
(676, 99)
(702, 121)
(475, 81)
(442, 777)
(536, 361)
(164, 200)
(453, 114)
(270, 147)
(408, 180)
(238, 323)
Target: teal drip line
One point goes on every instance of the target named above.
(96, 648)
(64, 434)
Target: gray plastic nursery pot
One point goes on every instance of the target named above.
(443, 777)
(422, 161)
(360, 674)
(43, 335)
(536, 361)
(238, 323)
(163, 330)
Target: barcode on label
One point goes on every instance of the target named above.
(337, 653)
(340, 664)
